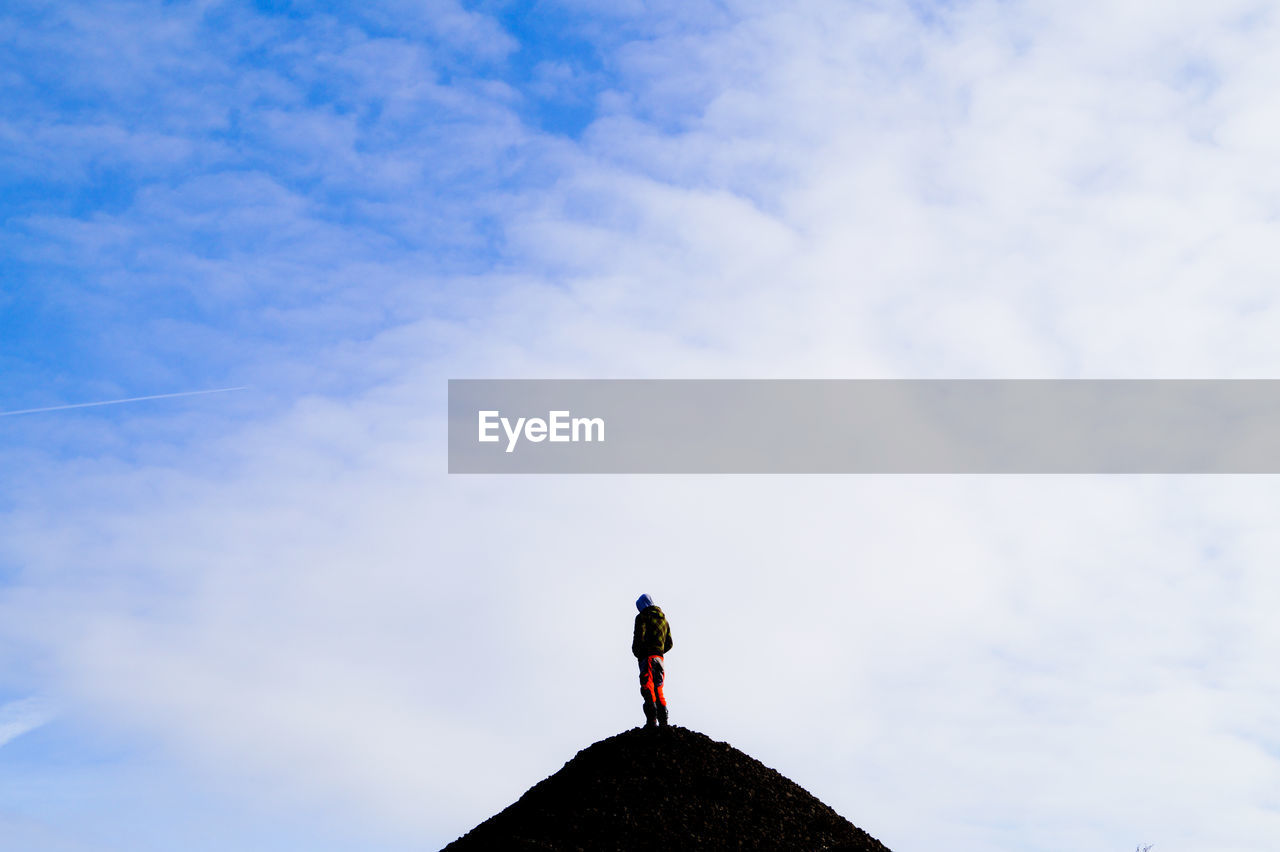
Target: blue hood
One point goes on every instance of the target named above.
(643, 602)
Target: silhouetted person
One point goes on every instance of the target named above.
(651, 639)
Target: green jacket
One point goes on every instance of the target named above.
(652, 634)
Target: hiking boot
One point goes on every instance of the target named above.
(650, 716)
(662, 715)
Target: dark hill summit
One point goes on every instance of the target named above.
(672, 789)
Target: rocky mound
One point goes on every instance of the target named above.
(670, 788)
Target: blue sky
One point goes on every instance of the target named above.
(269, 619)
(169, 140)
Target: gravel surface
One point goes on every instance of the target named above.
(666, 789)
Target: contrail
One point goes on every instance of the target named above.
(118, 401)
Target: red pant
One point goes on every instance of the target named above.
(651, 677)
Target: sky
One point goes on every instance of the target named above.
(268, 619)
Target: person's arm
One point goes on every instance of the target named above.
(637, 637)
(666, 646)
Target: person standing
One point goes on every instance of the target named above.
(649, 642)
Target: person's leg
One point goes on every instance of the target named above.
(658, 676)
(647, 691)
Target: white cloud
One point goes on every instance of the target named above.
(827, 190)
(23, 716)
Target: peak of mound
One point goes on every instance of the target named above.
(670, 788)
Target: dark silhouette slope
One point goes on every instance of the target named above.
(672, 789)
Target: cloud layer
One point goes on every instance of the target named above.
(346, 211)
